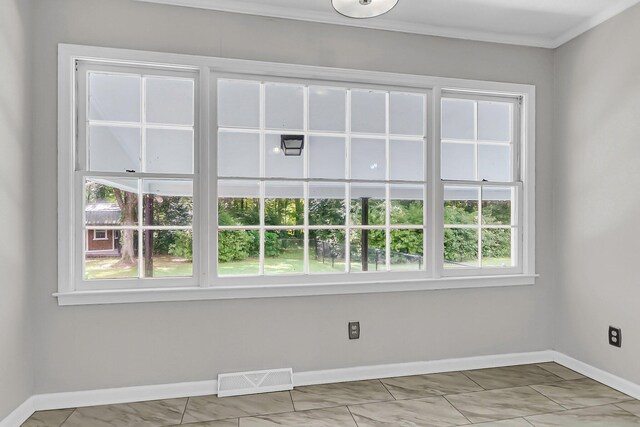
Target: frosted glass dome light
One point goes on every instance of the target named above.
(363, 8)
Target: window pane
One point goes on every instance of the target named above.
(494, 162)
(279, 165)
(284, 106)
(283, 251)
(497, 204)
(406, 114)
(368, 205)
(458, 119)
(327, 203)
(169, 151)
(326, 157)
(368, 159)
(167, 202)
(458, 161)
(284, 203)
(111, 201)
(496, 247)
(238, 203)
(368, 111)
(406, 159)
(327, 109)
(407, 250)
(116, 258)
(327, 251)
(238, 154)
(114, 97)
(368, 250)
(238, 252)
(169, 101)
(461, 205)
(494, 121)
(114, 149)
(238, 104)
(167, 253)
(460, 247)
(407, 205)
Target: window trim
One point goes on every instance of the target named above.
(205, 67)
(95, 231)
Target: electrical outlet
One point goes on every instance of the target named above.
(615, 336)
(354, 330)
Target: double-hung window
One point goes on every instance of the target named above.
(184, 177)
(135, 175)
(481, 184)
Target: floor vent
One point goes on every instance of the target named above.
(240, 383)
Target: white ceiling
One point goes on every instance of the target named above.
(543, 23)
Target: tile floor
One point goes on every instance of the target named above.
(546, 394)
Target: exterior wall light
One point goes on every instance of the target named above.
(292, 145)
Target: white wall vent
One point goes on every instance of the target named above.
(239, 383)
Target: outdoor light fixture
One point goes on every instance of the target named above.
(363, 8)
(292, 145)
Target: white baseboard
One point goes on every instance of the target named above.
(19, 415)
(199, 388)
(110, 396)
(416, 368)
(613, 381)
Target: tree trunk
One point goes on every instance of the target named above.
(127, 203)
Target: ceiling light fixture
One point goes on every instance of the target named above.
(363, 8)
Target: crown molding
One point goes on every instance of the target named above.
(382, 23)
(594, 21)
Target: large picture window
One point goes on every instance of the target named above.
(184, 177)
(352, 201)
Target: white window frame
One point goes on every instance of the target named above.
(96, 231)
(205, 284)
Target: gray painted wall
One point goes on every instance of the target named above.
(597, 203)
(16, 381)
(88, 347)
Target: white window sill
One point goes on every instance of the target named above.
(121, 296)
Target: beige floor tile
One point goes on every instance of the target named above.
(48, 418)
(221, 423)
(561, 371)
(515, 422)
(631, 406)
(331, 417)
(210, 408)
(600, 416)
(348, 393)
(140, 414)
(511, 376)
(495, 405)
(418, 386)
(580, 393)
(430, 412)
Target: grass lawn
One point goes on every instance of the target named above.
(293, 262)
(163, 266)
(486, 262)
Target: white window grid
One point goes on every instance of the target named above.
(306, 181)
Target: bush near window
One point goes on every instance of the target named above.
(461, 244)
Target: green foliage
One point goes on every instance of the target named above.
(182, 245)
(272, 244)
(234, 245)
(407, 242)
(460, 244)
